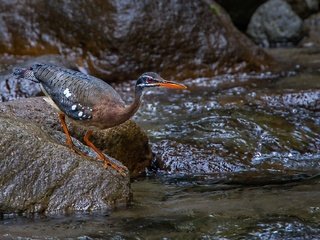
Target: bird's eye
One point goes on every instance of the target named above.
(149, 80)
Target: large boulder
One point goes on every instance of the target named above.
(39, 174)
(126, 143)
(118, 40)
(275, 23)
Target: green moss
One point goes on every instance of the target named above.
(215, 9)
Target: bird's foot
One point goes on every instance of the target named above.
(77, 151)
(107, 162)
(120, 169)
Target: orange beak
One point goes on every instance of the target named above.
(173, 85)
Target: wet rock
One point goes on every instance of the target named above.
(311, 27)
(39, 174)
(118, 40)
(174, 157)
(126, 142)
(275, 23)
(12, 88)
(240, 13)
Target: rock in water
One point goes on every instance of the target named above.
(126, 142)
(275, 23)
(38, 174)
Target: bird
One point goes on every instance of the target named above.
(89, 101)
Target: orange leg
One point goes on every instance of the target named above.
(107, 162)
(69, 142)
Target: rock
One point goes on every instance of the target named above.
(275, 23)
(311, 27)
(304, 8)
(12, 88)
(126, 143)
(240, 13)
(174, 157)
(40, 175)
(118, 40)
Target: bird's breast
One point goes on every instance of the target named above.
(108, 114)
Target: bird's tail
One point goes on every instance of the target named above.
(26, 73)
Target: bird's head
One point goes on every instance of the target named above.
(151, 79)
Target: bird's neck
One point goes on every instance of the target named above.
(130, 110)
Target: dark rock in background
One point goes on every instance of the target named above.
(240, 11)
(126, 142)
(118, 40)
(12, 88)
(275, 23)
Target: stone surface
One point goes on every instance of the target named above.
(275, 23)
(118, 40)
(126, 143)
(39, 174)
(12, 88)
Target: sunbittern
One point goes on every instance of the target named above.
(88, 100)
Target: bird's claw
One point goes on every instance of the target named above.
(122, 170)
(76, 150)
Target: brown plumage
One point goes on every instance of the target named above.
(87, 100)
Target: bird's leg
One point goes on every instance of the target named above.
(107, 162)
(69, 141)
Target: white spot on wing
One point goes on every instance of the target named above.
(74, 107)
(80, 114)
(67, 93)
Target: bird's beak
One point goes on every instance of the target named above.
(169, 84)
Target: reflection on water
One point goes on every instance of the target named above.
(256, 138)
(258, 123)
(202, 207)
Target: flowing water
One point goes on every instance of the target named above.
(236, 157)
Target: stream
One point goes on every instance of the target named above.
(235, 157)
